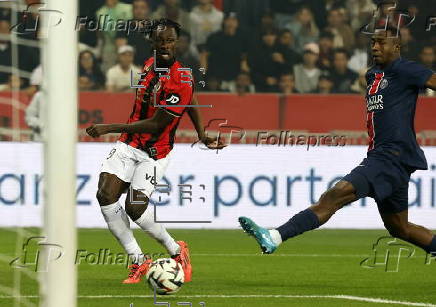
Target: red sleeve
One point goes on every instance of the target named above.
(177, 98)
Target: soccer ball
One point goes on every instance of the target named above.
(165, 275)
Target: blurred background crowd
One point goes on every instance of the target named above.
(239, 46)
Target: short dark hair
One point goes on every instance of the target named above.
(327, 34)
(162, 23)
(341, 50)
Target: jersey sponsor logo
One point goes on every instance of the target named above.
(172, 99)
(374, 103)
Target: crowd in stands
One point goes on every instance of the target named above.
(239, 46)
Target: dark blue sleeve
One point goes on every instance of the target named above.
(415, 74)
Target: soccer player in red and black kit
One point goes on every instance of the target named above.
(393, 154)
(140, 157)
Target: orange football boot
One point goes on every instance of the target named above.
(184, 259)
(137, 272)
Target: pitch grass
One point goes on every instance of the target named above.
(322, 262)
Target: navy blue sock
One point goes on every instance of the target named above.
(301, 222)
(431, 249)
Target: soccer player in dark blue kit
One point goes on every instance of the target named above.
(393, 155)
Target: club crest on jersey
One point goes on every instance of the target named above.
(384, 84)
(172, 99)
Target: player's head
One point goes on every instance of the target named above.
(164, 34)
(385, 45)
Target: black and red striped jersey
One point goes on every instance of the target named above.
(391, 98)
(171, 91)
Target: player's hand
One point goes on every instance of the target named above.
(213, 143)
(97, 130)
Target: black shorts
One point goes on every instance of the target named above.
(383, 177)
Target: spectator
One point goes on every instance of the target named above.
(88, 68)
(205, 19)
(360, 11)
(287, 84)
(427, 57)
(266, 23)
(5, 50)
(171, 9)
(286, 47)
(242, 85)
(224, 51)
(35, 81)
(342, 32)
(136, 39)
(118, 77)
(342, 76)
(359, 86)
(249, 12)
(409, 48)
(359, 58)
(85, 84)
(325, 84)
(307, 73)
(266, 63)
(213, 84)
(88, 40)
(35, 114)
(28, 56)
(325, 50)
(304, 28)
(13, 83)
(112, 11)
(186, 55)
(284, 10)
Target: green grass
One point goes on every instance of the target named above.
(323, 262)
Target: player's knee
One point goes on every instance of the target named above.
(337, 196)
(135, 209)
(398, 231)
(105, 197)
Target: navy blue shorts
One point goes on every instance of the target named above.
(383, 177)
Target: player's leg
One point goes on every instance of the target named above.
(138, 210)
(110, 188)
(146, 175)
(394, 213)
(353, 186)
(115, 177)
(398, 226)
(311, 218)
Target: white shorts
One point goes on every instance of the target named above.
(135, 166)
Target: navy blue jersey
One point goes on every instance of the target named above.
(391, 102)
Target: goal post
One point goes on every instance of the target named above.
(58, 285)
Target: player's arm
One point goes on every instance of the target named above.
(196, 119)
(154, 125)
(431, 83)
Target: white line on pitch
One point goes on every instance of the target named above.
(341, 297)
(295, 255)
